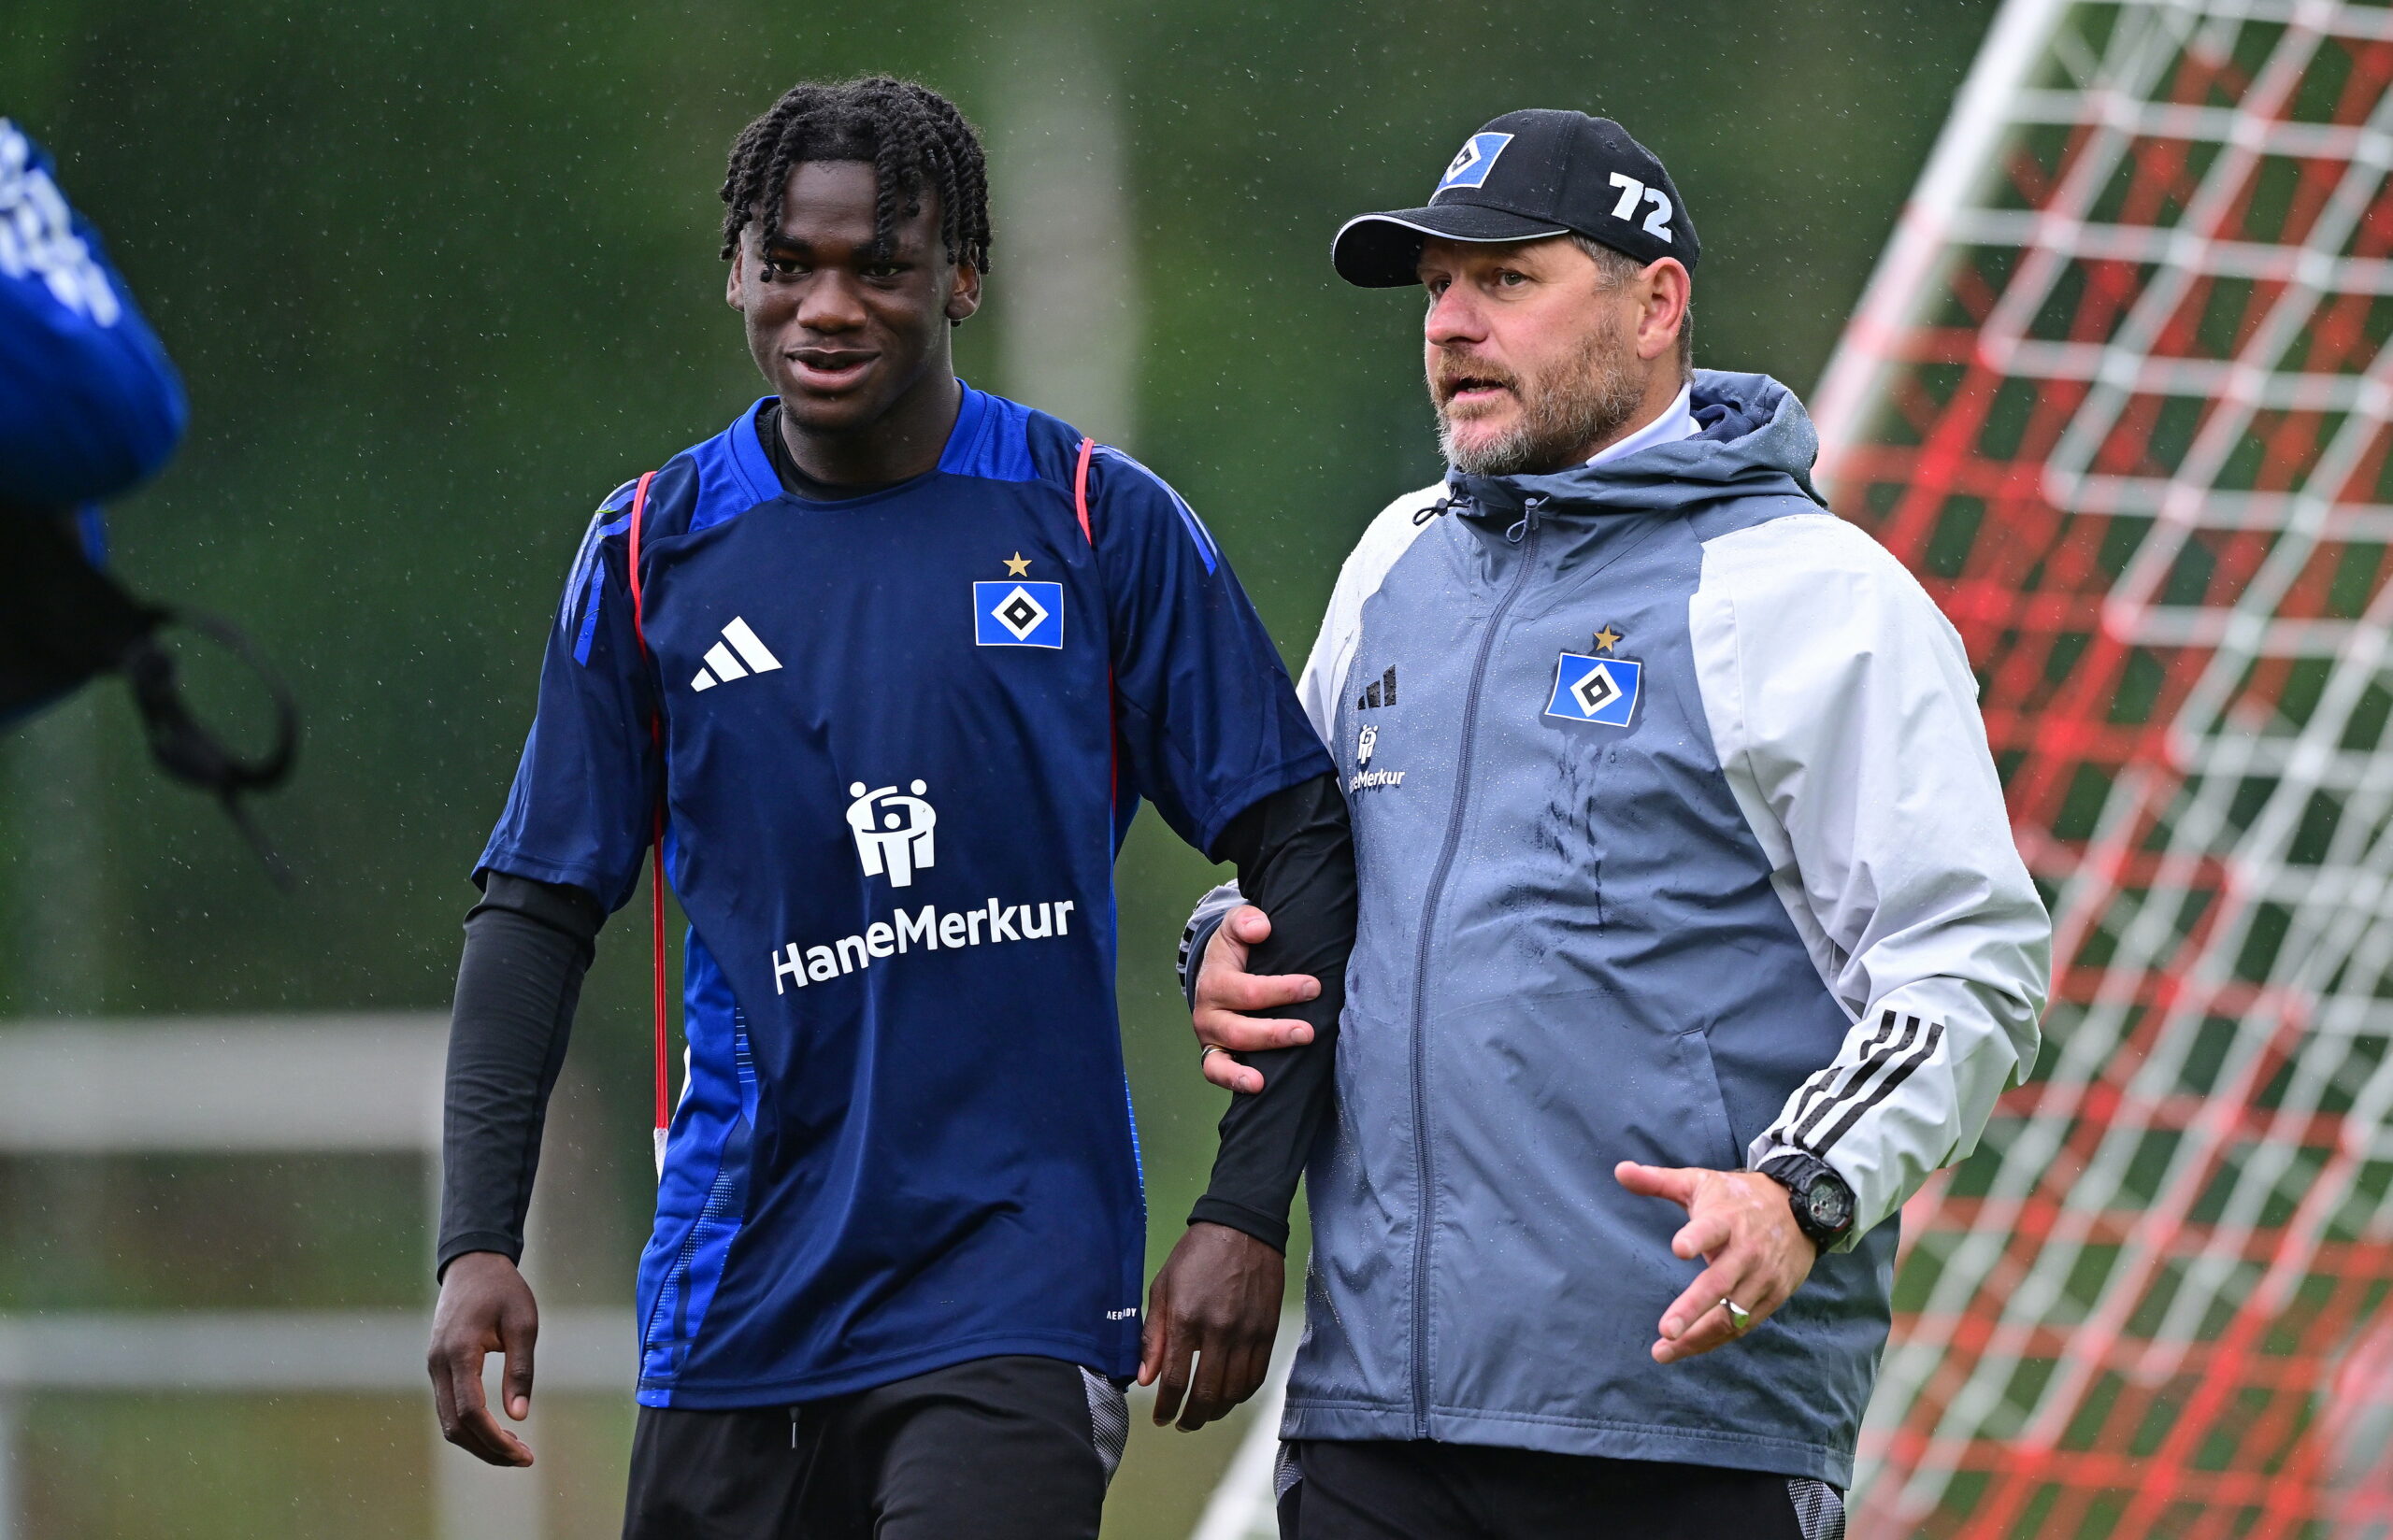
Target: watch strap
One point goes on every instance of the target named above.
(1798, 1172)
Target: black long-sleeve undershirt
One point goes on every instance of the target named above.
(1295, 855)
(528, 944)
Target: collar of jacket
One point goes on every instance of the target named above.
(1756, 440)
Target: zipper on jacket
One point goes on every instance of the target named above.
(1421, 1173)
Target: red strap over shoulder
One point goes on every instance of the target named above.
(656, 841)
(640, 512)
(1080, 505)
(1080, 488)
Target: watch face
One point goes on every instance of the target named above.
(1830, 1204)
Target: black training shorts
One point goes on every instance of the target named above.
(999, 1448)
(1395, 1491)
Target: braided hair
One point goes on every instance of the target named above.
(913, 136)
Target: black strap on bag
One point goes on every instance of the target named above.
(63, 622)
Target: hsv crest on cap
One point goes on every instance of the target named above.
(1472, 162)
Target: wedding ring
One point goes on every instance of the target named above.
(1741, 1319)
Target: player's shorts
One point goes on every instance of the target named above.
(1001, 1449)
(1401, 1491)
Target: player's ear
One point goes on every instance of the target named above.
(964, 299)
(731, 284)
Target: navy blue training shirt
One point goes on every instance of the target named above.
(904, 734)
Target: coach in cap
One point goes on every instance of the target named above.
(1691, 933)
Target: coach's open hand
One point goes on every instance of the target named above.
(1224, 989)
(1742, 1225)
(485, 1308)
(1217, 1300)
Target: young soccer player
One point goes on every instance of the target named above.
(896, 658)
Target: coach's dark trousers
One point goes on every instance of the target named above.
(1401, 1491)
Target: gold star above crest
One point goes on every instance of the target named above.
(1017, 564)
(1606, 639)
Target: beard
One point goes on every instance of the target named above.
(1581, 401)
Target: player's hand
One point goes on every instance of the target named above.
(1216, 1300)
(1741, 1223)
(1225, 992)
(485, 1308)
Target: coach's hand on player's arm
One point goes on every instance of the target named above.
(1742, 1225)
(1216, 1300)
(1225, 992)
(485, 1308)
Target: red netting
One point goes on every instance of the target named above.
(2130, 426)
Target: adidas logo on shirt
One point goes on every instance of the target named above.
(753, 657)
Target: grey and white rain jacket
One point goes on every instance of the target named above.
(1752, 888)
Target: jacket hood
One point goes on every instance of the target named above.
(1756, 440)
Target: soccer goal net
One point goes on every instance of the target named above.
(2119, 393)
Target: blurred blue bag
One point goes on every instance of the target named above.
(89, 407)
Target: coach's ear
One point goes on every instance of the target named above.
(964, 299)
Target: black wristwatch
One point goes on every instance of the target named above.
(1823, 1202)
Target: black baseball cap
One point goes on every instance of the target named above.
(1526, 175)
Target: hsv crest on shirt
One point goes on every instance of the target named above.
(1018, 614)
